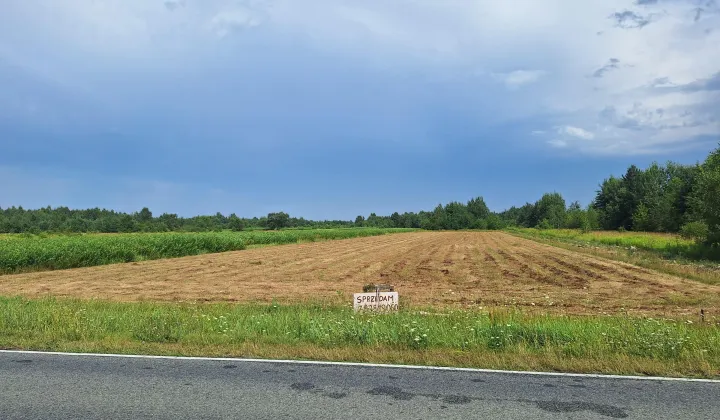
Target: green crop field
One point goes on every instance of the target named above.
(21, 253)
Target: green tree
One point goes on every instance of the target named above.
(551, 208)
(478, 209)
(705, 200)
(651, 206)
(457, 216)
(642, 222)
(278, 220)
(170, 220)
(575, 216)
(235, 223)
(592, 219)
(674, 202)
(494, 222)
(396, 220)
(145, 215)
(608, 203)
(359, 221)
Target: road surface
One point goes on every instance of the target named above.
(54, 386)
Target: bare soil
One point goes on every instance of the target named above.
(447, 269)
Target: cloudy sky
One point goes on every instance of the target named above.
(333, 108)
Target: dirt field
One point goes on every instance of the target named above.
(427, 268)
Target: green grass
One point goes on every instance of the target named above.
(642, 240)
(665, 245)
(665, 253)
(332, 331)
(20, 253)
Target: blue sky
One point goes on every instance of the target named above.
(334, 108)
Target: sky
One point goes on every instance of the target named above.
(329, 109)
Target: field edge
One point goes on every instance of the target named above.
(499, 340)
(687, 269)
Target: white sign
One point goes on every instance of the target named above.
(376, 301)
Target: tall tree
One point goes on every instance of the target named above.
(706, 195)
(608, 202)
(145, 215)
(478, 209)
(550, 209)
(235, 223)
(457, 216)
(359, 221)
(278, 220)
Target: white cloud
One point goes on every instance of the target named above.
(518, 78)
(557, 143)
(576, 132)
(236, 19)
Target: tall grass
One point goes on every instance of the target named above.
(20, 253)
(665, 244)
(474, 337)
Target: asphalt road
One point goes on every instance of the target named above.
(45, 386)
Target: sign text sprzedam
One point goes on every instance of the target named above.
(376, 301)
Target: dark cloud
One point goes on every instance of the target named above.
(712, 83)
(174, 4)
(629, 122)
(629, 20)
(664, 84)
(645, 2)
(608, 113)
(706, 8)
(660, 81)
(612, 64)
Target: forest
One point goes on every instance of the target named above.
(660, 198)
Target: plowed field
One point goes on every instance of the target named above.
(427, 268)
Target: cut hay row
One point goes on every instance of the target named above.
(19, 253)
(440, 269)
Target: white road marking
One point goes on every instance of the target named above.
(313, 362)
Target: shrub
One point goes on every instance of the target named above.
(544, 224)
(697, 231)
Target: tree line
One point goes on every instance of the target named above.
(660, 198)
(63, 219)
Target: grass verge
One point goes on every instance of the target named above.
(498, 340)
(25, 253)
(641, 249)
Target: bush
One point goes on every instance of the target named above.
(586, 225)
(697, 231)
(544, 224)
